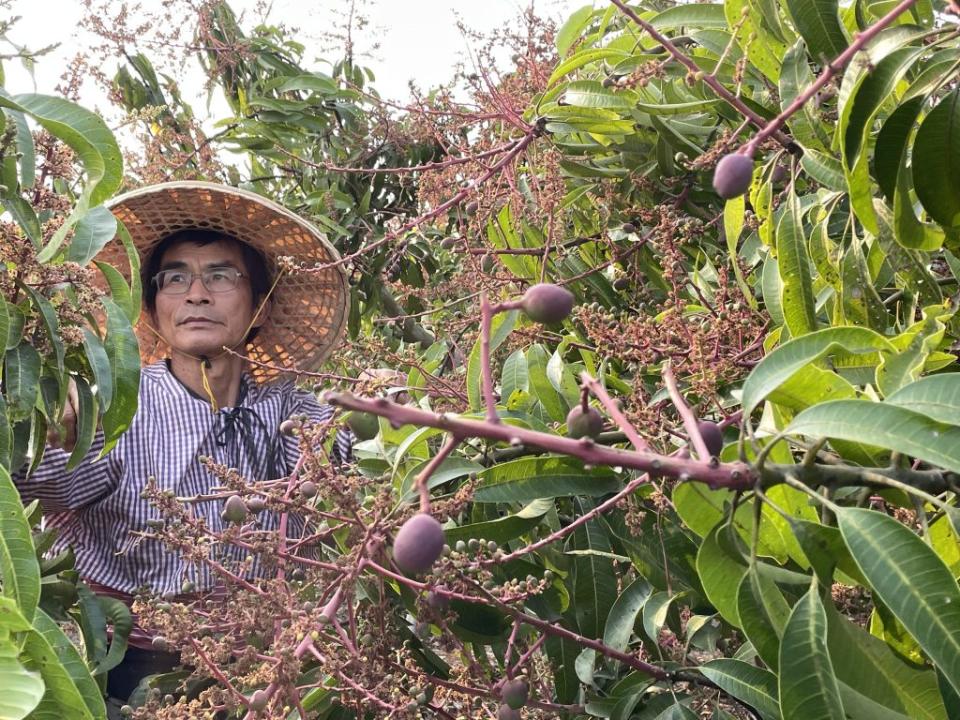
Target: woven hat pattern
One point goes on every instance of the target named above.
(308, 316)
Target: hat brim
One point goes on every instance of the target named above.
(308, 314)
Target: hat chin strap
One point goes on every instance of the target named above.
(205, 360)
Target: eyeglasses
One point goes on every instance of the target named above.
(215, 280)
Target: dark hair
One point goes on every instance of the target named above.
(255, 264)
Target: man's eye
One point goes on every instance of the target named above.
(219, 275)
(176, 278)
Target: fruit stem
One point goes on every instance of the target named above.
(422, 488)
(613, 410)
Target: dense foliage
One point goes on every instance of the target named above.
(723, 485)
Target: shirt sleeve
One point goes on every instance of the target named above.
(307, 404)
(59, 489)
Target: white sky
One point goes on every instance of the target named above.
(418, 39)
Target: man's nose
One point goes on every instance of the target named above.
(197, 292)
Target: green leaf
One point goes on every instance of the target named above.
(872, 668)
(18, 558)
(808, 685)
(936, 162)
(793, 263)
(594, 580)
(100, 366)
(623, 614)
(571, 30)
(591, 94)
(584, 57)
(21, 380)
(936, 396)
(124, 354)
(777, 367)
(911, 580)
(90, 138)
(452, 467)
(763, 614)
(563, 657)
(86, 423)
(530, 478)
(705, 15)
(541, 387)
(819, 25)
(5, 325)
(50, 323)
(503, 529)
(751, 685)
(67, 679)
(501, 326)
(22, 689)
(891, 142)
(119, 292)
(916, 344)
(883, 425)
(796, 76)
(514, 375)
(721, 567)
(92, 232)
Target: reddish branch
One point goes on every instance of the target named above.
(859, 42)
(708, 79)
(736, 476)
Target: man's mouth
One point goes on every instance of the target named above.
(197, 321)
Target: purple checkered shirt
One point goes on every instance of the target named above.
(98, 505)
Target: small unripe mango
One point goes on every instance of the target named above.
(732, 176)
(547, 303)
(712, 436)
(515, 693)
(234, 510)
(418, 544)
(582, 423)
(364, 425)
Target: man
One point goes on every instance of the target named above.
(214, 291)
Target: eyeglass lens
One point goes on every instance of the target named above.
(216, 280)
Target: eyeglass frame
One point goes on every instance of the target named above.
(155, 280)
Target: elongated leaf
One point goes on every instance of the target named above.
(763, 614)
(5, 323)
(721, 568)
(591, 94)
(795, 76)
(93, 231)
(514, 376)
(912, 581)
(808, 685)
(936, 396)
(594, 579)
(22, 689)
(887, 426)
(869, 666)
(794, 265)
(100, 366)
(531, 478)
(21, 379)
(86, 423)
(505, 528)
(584, 57)
(623, 614)
(777, 367)
(90, 138)
(50, 323)
(936, 162)
(18, 559)
(67, 679)
(124, 354)
(752, 685)
(818, 23)
(571, 29)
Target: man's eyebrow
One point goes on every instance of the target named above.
(181, 265)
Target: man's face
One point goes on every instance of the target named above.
(199, 322)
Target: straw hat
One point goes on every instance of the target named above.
(309, 310)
